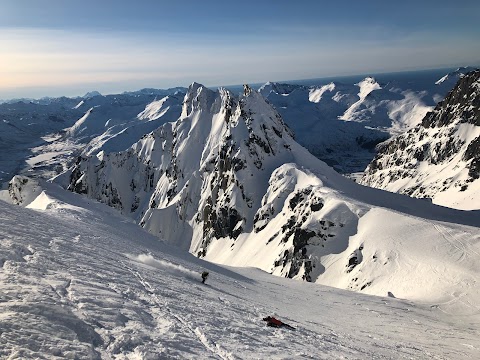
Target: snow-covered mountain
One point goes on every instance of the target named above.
(156, 92)
(47, 133)
(341, 123)
(228, 183)
(91, 94)
(312, 114)
(438, 158)
(452, 77)
(373, 111)
(117, 123)
(117, 113)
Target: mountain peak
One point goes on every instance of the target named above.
(194, 86)
(197, 96)
(91, 94)
(453, 76)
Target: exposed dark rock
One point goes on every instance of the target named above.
(472, 154)
(437, 140)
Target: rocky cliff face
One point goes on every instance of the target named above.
(214, 182)
(440, 157)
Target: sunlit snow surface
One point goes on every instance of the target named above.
(78, 280)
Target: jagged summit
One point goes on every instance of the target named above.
(201, 179)
(439, 158)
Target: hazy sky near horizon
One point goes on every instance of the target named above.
(61, 47)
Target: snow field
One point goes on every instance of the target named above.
(69, 291)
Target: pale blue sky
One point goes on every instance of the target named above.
(62, 47)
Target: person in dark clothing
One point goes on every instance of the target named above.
(273, 322)
(204, 276)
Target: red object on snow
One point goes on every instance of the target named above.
(271, 321)
(274, 322)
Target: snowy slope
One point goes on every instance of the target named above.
(439, 157)
(117, 137)
(79, 281)
(452, 77)
(354, 112)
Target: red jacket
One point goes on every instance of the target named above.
(275, 322)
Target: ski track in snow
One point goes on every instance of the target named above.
(209, 345)
(452, 241)
(68, 290)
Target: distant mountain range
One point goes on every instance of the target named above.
(342, 123)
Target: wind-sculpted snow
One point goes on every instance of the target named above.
(75, 282)
(438, 158)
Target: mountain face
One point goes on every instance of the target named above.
(439, 158)
(216, 180)
(452, 77)
(78, 281)
(115, 113)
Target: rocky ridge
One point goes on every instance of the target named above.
(439, 158)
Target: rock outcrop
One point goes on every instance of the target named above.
(439, 158)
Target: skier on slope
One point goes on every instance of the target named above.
(204, 276)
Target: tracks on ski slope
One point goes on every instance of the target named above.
(457, 244)
(211, 346)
